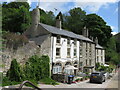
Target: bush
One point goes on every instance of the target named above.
(7, 82)
(14, 73)
(78, 79)
(48, 81)
(37, 68)
(32, 81)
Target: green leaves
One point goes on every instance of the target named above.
(97, 28)
(111, 51)
(37, 67)
(74, 20)
(16, 16)
(14, 73)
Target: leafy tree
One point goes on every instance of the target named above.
(74, 20)
(47, 17)
(16, 4)
(14, 73)
(15, 16)
(111, 54)
(97, 28)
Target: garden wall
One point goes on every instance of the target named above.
(21, 54)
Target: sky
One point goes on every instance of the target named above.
(107, 9)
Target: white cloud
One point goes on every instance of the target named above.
(51, 6)
(112, 27)
(116, 10)
(90, 5)
(29, 1)
(113, 33)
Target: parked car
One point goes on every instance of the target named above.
(98, 77)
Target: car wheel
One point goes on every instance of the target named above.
(90, 81)
(104, 80)
(101, 82)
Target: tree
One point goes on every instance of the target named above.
(111, 51)
(74, 20)
(15, 16)
(97, 28)
(14, 73)
(47, 17)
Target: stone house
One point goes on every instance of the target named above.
(100, 53)
(64, 48)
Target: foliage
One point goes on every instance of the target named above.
(15, 16)
(33, 81)
(97, 65)
(111, 51)
(14, 73)
(47, 17)
(78, 79)
(98, 28)
(7, 82)
(102, 68)
(48, 81)
(74, 18)
(37, 68)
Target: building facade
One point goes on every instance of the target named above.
(100, 53)
(65, 49)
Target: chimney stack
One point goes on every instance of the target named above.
(85, 32)
(58, 21)
(96, 40)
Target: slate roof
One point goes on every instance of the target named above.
(98, 46)
(63, 32)
(39, 40)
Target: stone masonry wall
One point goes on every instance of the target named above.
(21, 54)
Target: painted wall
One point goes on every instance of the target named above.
(63, 53)
(100, 56)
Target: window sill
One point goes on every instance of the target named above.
(58, 57)
(68, 57)
(75, 56)
(58, 44)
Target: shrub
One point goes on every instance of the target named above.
(37, 68)
(48, 81)
(14, 73)
(78, 79)
(7, 82)
(81, 79)
(97, 65)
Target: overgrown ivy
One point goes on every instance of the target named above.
(37, 68)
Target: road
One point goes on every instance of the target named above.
(109, 83)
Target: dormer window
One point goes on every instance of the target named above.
(58, 39)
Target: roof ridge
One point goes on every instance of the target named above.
(66, 33)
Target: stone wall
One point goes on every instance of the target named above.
(21, 54)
